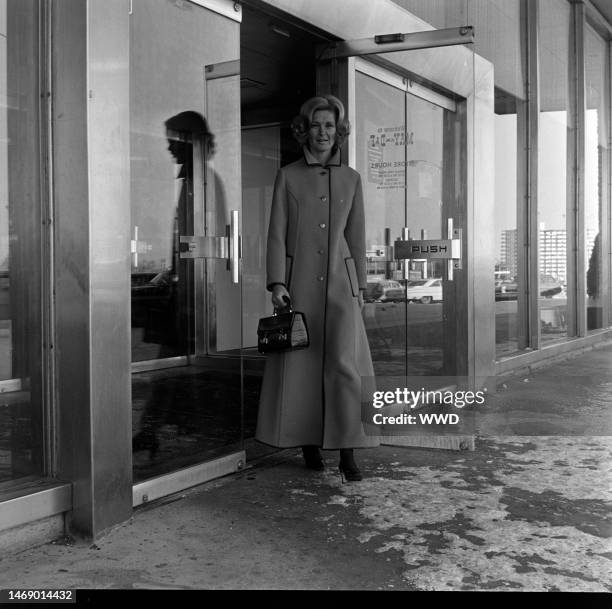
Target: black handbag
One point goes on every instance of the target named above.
(285, 330)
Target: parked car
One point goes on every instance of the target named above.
(385, 290)
(424, 290)
(549, 286)
(508, 290)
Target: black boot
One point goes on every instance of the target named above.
(348, 468)
(312, 458)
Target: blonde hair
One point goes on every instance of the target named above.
(301, 123)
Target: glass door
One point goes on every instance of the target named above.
(23, 248)
(186, 213)
(405, 150)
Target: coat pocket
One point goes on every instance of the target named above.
(288, 270)
(352, 275)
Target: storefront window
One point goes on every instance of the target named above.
(21, 420)
(554, 140)
(510, 143)
(506, 234)
(596, 142)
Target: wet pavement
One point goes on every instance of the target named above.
(523, 512)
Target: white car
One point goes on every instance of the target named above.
(424, 290)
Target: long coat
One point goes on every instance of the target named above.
(316, 248)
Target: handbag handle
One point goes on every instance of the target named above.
(286, 309)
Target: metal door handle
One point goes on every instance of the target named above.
(405, 263)
(209, 246)
(134, 248)
(234, 246)
(138, 247)
(432, 249)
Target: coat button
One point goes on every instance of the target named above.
(322, 225)
(321, 252)
(323, 198)
(321, 278)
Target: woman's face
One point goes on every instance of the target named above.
(322, 132)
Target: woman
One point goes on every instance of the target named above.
(316, 260)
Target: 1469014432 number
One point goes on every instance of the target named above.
(53, 596)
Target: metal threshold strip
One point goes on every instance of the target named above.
(33, 502)
(160, 364)
(182, 479)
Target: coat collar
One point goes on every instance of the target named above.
(334, 159)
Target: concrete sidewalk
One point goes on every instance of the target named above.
(522, 512)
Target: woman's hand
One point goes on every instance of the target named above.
(279, 293)
(361, 300)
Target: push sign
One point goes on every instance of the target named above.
(431, 249)
(428, 249)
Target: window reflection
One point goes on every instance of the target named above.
(596, 148)
(507, 238)
(502, 45)
(554, 131)
(261, 160)
(403, 143)
(21, 421)
(380, 106)
(187, 405)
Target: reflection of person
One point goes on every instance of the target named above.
(593, 289)
(316, 257)
(170, 327)
(593, 271)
